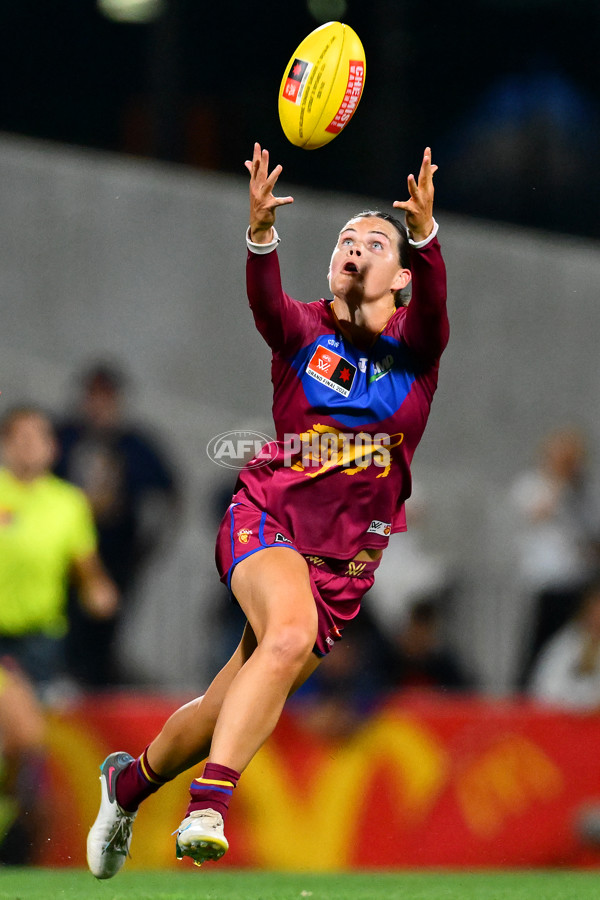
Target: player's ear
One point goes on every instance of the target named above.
(401, 279)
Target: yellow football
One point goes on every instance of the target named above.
(322, 85)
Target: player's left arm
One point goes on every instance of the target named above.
(426, 328)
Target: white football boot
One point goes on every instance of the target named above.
(201, 837)
(110, 836)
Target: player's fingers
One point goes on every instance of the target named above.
(256, 155)
(272, 179)
(413, 187)
(283, 201)
(427, 167)
(264, 163)
(253, 167)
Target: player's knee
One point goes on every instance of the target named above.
(291, 645)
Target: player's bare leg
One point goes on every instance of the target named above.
(185, 739)
(125, 782)
(273, 589)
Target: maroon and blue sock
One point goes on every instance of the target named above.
(214, 789)
(137, 782)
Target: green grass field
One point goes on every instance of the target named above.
(42, 884)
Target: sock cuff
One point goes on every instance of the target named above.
(210, 785)
(216, 773)
(148, 772)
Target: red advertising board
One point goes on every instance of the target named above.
(424, 781)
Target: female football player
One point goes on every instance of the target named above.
(353, 380)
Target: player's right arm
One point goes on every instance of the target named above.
(262, 202)
(279, 318)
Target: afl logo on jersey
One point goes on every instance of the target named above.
(331, 369)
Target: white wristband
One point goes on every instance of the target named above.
(262, 248)
(419, 244)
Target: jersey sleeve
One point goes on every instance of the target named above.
(281, 320)
(425, 327)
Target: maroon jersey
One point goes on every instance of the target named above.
(347, 419)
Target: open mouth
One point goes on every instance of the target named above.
(350, 268)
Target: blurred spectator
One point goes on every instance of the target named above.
(419, 655)
(46, 534)
(22, 764)
(346, 686)
(412, 586)
(132, 490)
(567, 670)
(409, 570)
(558, 533)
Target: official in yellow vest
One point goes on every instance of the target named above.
(47, 536)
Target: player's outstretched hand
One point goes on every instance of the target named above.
(418, 209)
(262, 201)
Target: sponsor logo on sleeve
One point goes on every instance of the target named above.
(377, 527)
(282, 539)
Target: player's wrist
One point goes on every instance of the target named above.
(262, 246)
(261, 234)
(421, 237)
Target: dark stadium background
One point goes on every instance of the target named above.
(507, 92)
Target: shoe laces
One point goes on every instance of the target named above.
(118, 840)
(212, 817)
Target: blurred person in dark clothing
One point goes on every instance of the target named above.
(420, 657)
(133, 493)
(334, 703)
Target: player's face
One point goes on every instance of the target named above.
(29, 448)
(365, 264)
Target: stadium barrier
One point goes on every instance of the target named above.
(424, 781)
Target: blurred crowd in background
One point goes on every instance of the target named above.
(403, 638)
(53, 652)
